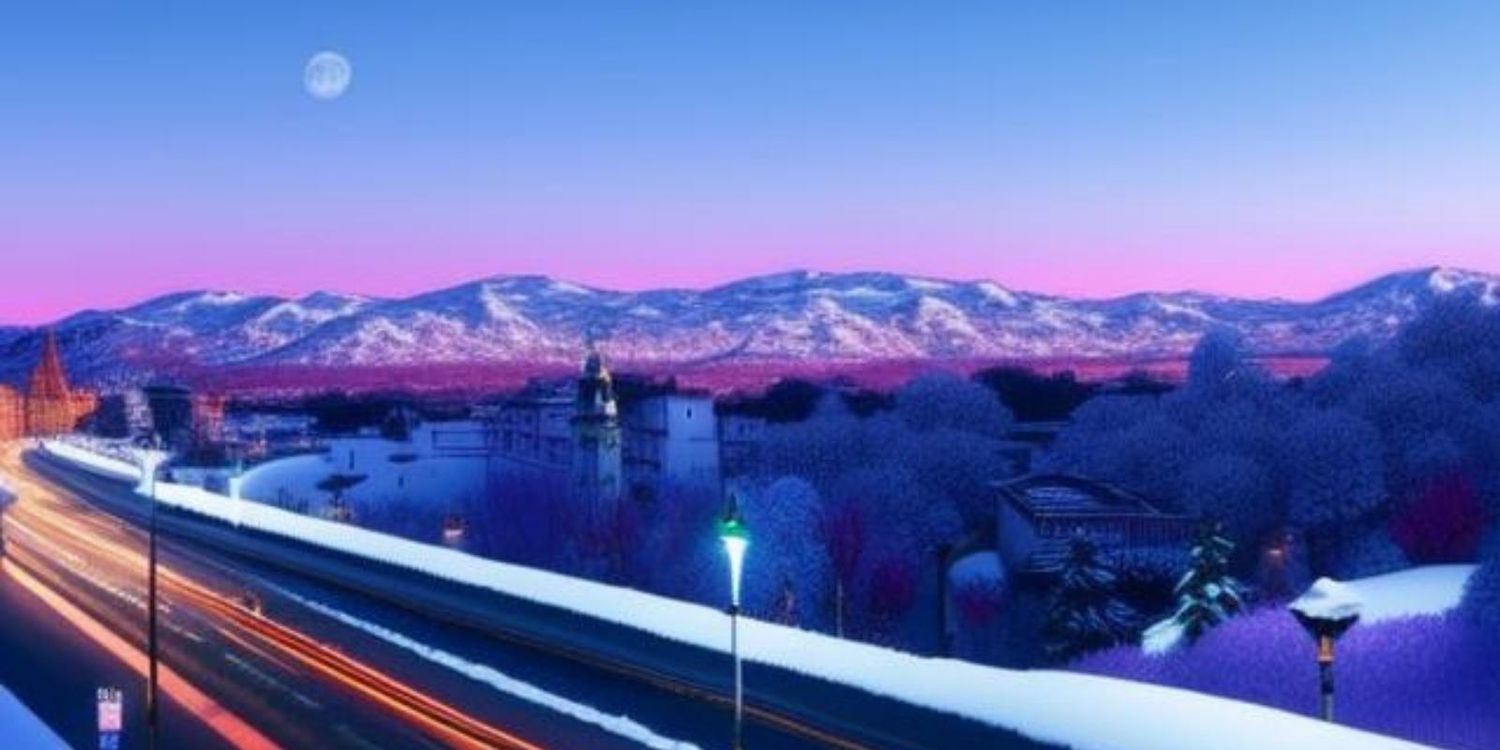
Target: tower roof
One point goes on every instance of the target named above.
(49, 380)
(596, 389)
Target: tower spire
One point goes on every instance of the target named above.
(50, 402)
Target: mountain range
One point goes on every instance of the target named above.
(797, 316)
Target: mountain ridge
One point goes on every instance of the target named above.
(794, 316)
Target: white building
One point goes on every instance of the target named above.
(655, 446)
(671, 443)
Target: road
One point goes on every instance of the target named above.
(267, 658)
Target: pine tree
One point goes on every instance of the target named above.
(1085, 614)
(1207, 595)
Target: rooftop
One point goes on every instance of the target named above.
(1068, 495)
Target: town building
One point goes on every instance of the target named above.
(50, 405)
(598, 471)
(671, 444)
(645, 449)
(1039, 514)
(171, 408)
(740, 440)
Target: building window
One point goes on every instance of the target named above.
(690, 412)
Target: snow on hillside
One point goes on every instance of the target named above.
(1073, 710)
(791, 316)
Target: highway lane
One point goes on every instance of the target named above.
(212, 645)
(290, 651)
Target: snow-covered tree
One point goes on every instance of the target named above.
(944, 401)
(1085, 613)
(1364, 549)
(959, 466)
(1234, 489)
(1206, 595)
(1334, 468)
(1217, 359)
(791, 563)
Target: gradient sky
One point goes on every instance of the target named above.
(1258, 148)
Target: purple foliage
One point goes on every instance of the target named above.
(978, 602)
(1428, 679)
(1444, 524)
(843, 531)
(893, 590)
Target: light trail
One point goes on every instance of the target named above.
(784, 722)
(224, 723)
(47, 521)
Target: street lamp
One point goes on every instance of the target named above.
(735, 538)
(1327, 611)
(151, 457)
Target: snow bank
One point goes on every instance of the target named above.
(1163, 638)
(622, 726)
(23, 730)
(1084, 712)
(1430, 590)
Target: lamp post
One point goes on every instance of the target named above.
(735, 538)
(151, 457)
(1327, 611)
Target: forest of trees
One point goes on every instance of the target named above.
(1389, 457)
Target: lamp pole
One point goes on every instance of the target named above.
(152, 458)
(733, 534)
(1326, 611)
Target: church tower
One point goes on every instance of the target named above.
(50, 408)
(597, 466)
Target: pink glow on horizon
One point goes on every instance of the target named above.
(69, 274)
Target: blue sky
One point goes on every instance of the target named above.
(1093, 148)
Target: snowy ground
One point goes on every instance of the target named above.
(1418, 592)
(1430, 590)
(22, 730)
(435, 466)
(1079, 711)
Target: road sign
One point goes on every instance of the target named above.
(111, 713)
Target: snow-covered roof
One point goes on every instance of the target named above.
(1067, 495)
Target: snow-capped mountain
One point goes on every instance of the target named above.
(792, 316)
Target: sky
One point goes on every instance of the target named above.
(1093, 148)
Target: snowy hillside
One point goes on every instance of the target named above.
(792, 316)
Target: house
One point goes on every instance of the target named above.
(1039, 513)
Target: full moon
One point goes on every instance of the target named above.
(327, 75)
